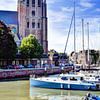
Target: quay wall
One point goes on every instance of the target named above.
(18, 73)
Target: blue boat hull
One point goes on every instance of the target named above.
(96, 97)
(54, 85)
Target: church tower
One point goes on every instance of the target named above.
(32, 17)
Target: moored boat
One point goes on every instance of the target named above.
(92, 77)
(90, 96)
(68, 82)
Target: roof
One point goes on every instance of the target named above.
(9, 17)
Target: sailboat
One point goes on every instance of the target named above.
(67, 82)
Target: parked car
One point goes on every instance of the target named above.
(30, 66)
(62, 65)
(37, 66)
(68, 64)
(45, 65)
(21, 66)
(9, 66)
(16, 67)
(52, 65)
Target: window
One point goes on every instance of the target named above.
(33, 3)
(33, 24)
(38, 25)
(27, 3)
(33, 13)
(27, 24)
(39, 3)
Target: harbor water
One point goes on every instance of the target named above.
(21, 90)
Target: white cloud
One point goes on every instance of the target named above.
(57, 16)
(86, 3)
(67, 9)
(8, 5)
(98, 10)
(52, 1)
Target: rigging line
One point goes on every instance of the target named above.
(69, 33)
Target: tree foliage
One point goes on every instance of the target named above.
(8, 47)
(95, 56)
(30, 48)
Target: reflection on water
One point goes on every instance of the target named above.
(14, 90)
(21, 90)
(53, 94)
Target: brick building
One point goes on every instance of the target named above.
(32, 18)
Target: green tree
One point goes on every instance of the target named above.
(95, 56)
(30, 48)
(8, 47)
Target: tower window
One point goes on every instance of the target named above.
(33, 13)
(33, 3)
(38, 25)
(33, 24)
(39, 3)
(27, 3)
(27, 24)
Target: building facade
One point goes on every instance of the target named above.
(32, 18)
(82, 57)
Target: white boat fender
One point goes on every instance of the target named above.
(45, 69)
(62, 68)
(68, 86)
(61, 86)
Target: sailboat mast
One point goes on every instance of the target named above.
(88, 40)
(68, 33)
(73, 19)
(83, 34)
(74, 29)
(75, 32)
(99, 50)
(83, 44)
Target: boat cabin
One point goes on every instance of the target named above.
(72, 77)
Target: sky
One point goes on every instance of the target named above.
(59, 14)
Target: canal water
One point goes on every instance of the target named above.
(21, 90)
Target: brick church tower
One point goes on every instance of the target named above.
(32, 18)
